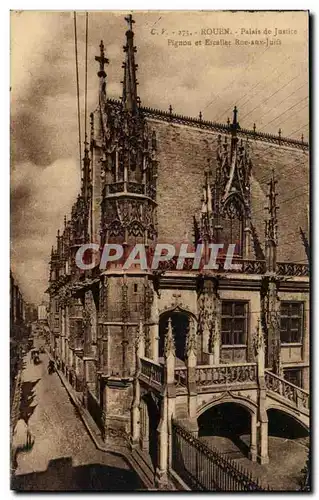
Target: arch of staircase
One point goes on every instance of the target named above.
(228, 397)
(299, 417)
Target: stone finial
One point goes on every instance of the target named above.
(254, 128)
(200, 116)
(169, 347)
(130, 21)
(191, 341)
(102, 60)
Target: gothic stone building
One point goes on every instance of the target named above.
(141, 347)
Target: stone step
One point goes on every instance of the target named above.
(144, 468)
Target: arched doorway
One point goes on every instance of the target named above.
(150, 418)
(180, 326)
(226, 427)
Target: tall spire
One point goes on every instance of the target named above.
(130, 99)
(271, 226)
(86, 179)
(234, 127)
(102, 60)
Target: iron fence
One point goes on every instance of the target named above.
(206, 469)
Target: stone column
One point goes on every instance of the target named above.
(274, 349)
(171, 400)
(154, 329)
(170, 390)
(144, 428)
(247, 240)
(305, 349)
(135, 411)
(253, 438)
(260, 349)
(161, 478)
(263, 457)
(141, 341)
(191, 374)
(135, 416)
(214, 356)
(216, 339)
(262, 426)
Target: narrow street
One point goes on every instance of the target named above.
(63, 456)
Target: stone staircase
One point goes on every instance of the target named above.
(289, 395)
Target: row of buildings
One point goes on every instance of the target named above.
(22, 314)
(144, 347)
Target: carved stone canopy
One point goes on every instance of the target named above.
(258, 339)
(169, 345)
(191, 340)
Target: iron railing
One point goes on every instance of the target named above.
(226, 374)
(287, 390)
(152, 371)
(206, 469)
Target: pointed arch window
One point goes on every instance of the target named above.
(232, 223)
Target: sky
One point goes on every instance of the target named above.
(268, 83)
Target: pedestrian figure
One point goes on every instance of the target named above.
(21, 441)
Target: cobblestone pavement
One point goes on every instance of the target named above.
(63, 456)
(286, 459)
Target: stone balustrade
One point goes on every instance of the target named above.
(227, 374)
(292, 269)
(153, 371)
(237, 373)
(299, 397)
(181, 376)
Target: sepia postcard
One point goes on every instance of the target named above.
(160, 247)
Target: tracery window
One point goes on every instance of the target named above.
(232, 223)
(291, 322)
(234, 322)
